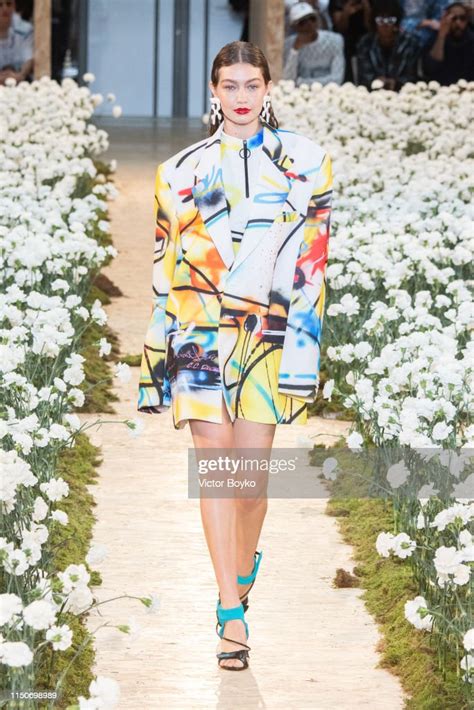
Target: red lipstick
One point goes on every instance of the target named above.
(242, 110)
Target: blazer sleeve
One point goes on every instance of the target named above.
(154, 394)
(300, 361)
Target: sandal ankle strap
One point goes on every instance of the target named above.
(235, 612)
(224, 615)
(251, 577)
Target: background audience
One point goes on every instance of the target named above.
(421, 18)
(386, 53)
(395, 41)
(311, 53)
(451, 57)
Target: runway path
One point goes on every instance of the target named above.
(313, 645)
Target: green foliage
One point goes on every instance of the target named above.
(78, 467)
(414, 147)
(132, 360)
(323, 407)
(388, 584)
(97, 384)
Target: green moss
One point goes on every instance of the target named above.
(97, 385)
(323, 407)
(103, 168)
(78, 467)
(132, 360)
(71, 542)
(388, 584)
(96, 292)
(414, 147)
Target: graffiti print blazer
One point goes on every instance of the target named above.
(244, 326)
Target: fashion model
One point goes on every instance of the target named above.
(233, 344)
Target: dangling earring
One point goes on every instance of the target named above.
(216, 114)
(265, 112)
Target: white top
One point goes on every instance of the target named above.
(319, 61)
(240, 191)
(16, 48)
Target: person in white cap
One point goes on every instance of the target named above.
(313, 55)
(322, 9)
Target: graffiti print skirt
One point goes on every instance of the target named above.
(236, 361)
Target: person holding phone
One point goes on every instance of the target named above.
(451, 56)
(421, 19)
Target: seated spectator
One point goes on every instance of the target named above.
(421, 18)
(452, 55)
(386, 53)
(16, 46)
(312, 55)
(322, 10)
(352, 19)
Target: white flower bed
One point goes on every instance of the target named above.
(398, 327)
(401, 247)
(48, 216)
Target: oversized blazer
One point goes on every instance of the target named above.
(244, 326)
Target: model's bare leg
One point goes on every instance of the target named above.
(251, 511)
(232, 525)
(219, 522)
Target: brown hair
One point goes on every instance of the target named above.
(235, 53)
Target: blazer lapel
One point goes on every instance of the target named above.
(275, 179)
(277, 184)
(209, 197)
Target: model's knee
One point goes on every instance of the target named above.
(250, 505)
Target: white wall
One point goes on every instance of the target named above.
(120, 53)
(121, 49)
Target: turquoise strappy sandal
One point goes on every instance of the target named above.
(224, 615)
(250, 579)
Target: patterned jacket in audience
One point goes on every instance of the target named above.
(400, 64)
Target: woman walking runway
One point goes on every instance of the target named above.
(233, 344)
